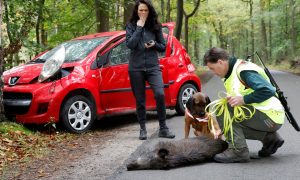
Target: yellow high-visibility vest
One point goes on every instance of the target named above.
(234, 86)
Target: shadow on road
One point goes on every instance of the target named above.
(117, 121)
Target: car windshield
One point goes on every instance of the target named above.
(75, 49)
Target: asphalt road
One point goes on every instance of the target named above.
(285, 164)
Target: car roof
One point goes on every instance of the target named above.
(102, 34)
(112, 34)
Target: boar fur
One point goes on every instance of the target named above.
(170, 154)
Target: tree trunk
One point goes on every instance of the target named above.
(179, 19)
(263, 32)
(39, 22)
(196, 45)
(186, 24)
(246, 43)
(128, 9)
(232, 45)
(162, 5)
(1, 11)
(264, 40)
(102, 15)
(168, 16)
(293, 27)
(186, 33)
(250, 2)
(270, 31)
(286, 27)
(117, 14)
(220, 35)
(98, 14)
(252, 27)
(43, 35)
(1, 61)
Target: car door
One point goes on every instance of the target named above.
(168, 29)
(116, 94)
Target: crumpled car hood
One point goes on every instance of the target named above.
(26, 73)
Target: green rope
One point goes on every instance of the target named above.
(220, 106)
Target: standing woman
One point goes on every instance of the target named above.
(144, 37)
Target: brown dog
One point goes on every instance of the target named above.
(196, 116)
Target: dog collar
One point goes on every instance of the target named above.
(198, 119)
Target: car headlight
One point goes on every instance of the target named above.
(53, 64)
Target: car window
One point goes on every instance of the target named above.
(75, 49)
(165, 30)
(163, 54)
(120, 54)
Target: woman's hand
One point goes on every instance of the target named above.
(141, 21)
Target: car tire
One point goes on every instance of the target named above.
(78, 114)
(9, 117)
(185, 92)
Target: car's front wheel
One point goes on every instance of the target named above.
(78, 114)
(185, 92)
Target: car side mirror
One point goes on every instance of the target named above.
(101, 60)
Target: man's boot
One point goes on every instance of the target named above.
(271, 142)
(143, 134)
(233, 155)
(166, 133)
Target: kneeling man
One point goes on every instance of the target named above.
(247, 84)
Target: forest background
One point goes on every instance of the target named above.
(240, 26)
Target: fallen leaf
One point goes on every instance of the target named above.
(7, 141)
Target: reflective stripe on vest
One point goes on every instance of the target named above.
(233, 85)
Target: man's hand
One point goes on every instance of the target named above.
(235, 100)
(217, 134)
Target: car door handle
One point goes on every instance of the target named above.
(180, 65)
(162, 67)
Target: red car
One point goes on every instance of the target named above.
(87, 78)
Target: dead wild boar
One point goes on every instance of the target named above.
(170, 154)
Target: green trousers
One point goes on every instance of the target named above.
(254, 128)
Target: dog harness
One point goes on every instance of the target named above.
(205, 120)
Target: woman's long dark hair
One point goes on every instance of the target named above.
(152, 22)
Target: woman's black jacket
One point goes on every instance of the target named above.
(141, 58)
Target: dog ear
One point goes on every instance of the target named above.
(189, 103)
(162, 153)
(207, 100)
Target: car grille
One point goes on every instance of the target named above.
(16, 103)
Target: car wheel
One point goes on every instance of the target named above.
(185, 92)
(78, 114)
(9, 117)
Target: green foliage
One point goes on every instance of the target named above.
(68, 19)
(15, 15)
(216, 23)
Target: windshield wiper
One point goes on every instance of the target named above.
(38, 60)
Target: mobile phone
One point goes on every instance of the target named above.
(150, 42)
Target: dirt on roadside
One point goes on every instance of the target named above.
(93, 155)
